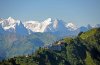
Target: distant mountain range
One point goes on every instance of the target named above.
(22, 38)
(49, 25)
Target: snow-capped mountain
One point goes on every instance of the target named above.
(71, 26)
(36, 26)
(28, 27)
(50, 25)
(8, 23)
(54, 26)
(12, 25)
(32, 25)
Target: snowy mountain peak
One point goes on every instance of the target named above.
(57, 22)
(47, 21)
(10, 24)
(31, 22)
(19, 22)
(48, 25)
(10, 19)
(71, 26)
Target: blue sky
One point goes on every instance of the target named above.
(80, 12)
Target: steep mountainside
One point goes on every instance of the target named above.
(81, 50)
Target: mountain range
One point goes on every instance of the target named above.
(48, 25)
(22, 38)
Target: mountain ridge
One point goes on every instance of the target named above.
(54, 26)
(48, 25)
(67, 51)
(16, 35)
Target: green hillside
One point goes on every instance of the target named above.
(81, 50)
